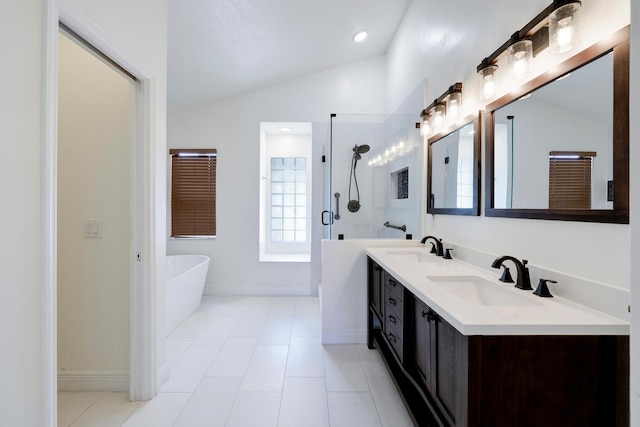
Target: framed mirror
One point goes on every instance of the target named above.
(453, 182)
(558, 147)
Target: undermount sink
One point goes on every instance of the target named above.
(414, 255)
(479, 291)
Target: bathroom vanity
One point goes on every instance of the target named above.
(467, 350)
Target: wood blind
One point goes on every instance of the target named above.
(193, 192)
(570, 179)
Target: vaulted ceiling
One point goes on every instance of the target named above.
(222, 48)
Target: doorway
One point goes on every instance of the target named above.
(94, 211)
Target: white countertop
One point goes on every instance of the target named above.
(530, 315)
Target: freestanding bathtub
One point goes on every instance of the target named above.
(186, 275)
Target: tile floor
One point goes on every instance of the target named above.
(253, 361)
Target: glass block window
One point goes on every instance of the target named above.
(288, 199)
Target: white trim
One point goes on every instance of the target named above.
(280, 257)
(49, 303)
(142, 381)
(93, 381)
(355, 336)
(257, 290)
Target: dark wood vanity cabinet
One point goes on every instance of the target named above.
(438, 364)
(450, 379)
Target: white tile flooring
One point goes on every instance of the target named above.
(253, 361)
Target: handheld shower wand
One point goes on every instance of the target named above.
(354, 204)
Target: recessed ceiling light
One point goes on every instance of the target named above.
(360, 36)
(285, 129)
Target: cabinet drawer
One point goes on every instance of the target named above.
(395, 339)
(393, 287)
(393, 306)
(394, 319)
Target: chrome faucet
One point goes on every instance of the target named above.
(523, 281)
(435, 249)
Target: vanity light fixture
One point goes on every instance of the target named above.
(555, 26)
(425, 124)
(446, 107)
(439, 112)
(488, 85)
(563, 27)
(520, 55)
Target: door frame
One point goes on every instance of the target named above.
(143, 299)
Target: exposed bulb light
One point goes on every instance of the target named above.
(563, 28)
(488, 86)
(360, 36)
(438, 117)
(520, 56)
(425, 126)
(454, 102)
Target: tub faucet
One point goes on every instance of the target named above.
(439, 250)
(523, 281)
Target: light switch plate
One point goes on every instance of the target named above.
(92, 228)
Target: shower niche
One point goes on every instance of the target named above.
(373, 176)
(400, 184)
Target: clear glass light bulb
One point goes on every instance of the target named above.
(488, 85)
(563, 28)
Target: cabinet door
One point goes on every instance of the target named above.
(422, 341)
(375, 283)
(446, 381)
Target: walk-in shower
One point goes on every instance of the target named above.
(365, 154)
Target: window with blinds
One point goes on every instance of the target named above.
(570, 176)
(193, 192)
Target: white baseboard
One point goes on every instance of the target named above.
(257, 290)
(93, 381)
(344, 337)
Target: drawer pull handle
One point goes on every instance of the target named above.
(392, 338)
(392, 301)
(392, 282)
(392, 319)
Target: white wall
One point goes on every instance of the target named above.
(20, 127)
(94, 145)
(139, 28)
(233, 127)
(423, 48)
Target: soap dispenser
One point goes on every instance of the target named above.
(543, 290)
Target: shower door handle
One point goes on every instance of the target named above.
(330, 218)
